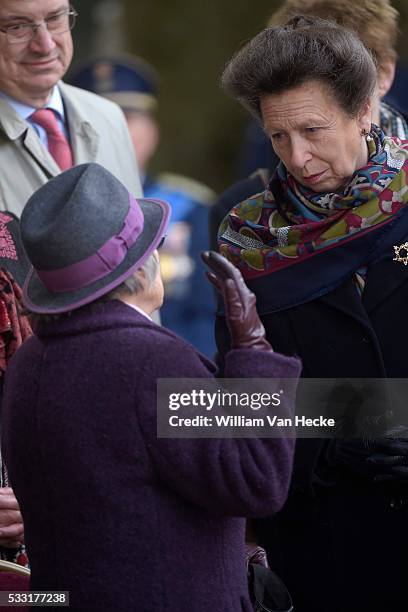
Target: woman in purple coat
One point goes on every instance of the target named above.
(120, 518)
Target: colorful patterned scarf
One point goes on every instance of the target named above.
(288, 224)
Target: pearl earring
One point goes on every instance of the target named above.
(366, 135)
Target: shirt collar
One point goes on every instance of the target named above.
(142, 312)
(25, 111)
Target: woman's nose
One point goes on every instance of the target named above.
(300, 153)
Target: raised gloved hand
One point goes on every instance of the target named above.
(243, 322)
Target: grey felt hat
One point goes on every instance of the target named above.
(84, 234)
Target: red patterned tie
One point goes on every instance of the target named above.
(58, 145)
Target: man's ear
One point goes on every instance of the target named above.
(386, 74)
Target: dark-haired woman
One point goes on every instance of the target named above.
(322, 248)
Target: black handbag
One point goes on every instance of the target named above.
(267, 591)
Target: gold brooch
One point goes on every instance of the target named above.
(399, 250)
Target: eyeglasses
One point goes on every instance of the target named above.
(56, 24)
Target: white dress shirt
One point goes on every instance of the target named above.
(25, 111)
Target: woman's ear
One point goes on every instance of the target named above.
(365, 116)
(141, 276)
(386, 74)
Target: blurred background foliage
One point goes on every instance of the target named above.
(188, 43)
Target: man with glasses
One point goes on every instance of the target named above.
(45, 125)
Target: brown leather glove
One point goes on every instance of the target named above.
(243, 322)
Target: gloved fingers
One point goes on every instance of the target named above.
(217, 264)
(225, 269)
(383, 460)
(245, 297)
(214, 281)
(392, 446)
(399, 473)
(383, 478)
(233, 304)
(397, 431)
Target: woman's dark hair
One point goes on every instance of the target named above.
(304, 49)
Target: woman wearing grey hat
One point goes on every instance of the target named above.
(120, 518)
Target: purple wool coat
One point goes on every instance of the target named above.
(125, 521)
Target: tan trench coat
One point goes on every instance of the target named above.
(98, 133)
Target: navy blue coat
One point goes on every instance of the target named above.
(122, 519)
(340, 541)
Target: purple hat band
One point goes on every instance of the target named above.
(101, 263)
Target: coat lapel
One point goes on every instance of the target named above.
(33, 144)
(382, 280)
(385, 276)
(14, 127)
(84, 138)
(346, 299)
